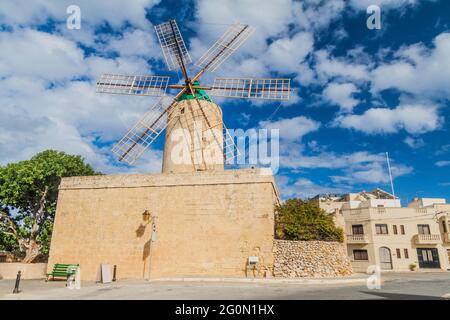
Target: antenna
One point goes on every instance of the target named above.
(390, 174)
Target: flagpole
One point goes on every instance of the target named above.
(390, 174)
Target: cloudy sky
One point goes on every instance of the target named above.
(358, 93)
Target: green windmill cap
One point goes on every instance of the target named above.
(200, 94)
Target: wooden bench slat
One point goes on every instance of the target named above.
(63, 270)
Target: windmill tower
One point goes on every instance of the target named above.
(208, 224)
(196, 138)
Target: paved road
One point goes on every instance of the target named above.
(395, 286)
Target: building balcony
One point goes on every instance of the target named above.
(357, 238)
(427, 239)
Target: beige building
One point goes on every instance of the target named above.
(193, 219)
(381, 232)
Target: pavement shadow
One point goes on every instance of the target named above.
(401, 296)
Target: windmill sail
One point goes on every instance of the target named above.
(155, 86)
(144, 132)
(224, 47)
(252, 88)
(230, 150)
(162, 114)
(172, 44)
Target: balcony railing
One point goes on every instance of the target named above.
(357, 238)
(427, 238)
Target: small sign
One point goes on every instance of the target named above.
(104, 273)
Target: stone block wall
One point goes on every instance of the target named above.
(207, 223)
(319, 259)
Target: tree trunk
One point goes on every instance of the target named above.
(33, 248)
(32, 252)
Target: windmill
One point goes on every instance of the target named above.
(191, 105)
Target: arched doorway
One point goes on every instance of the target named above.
(385, 258)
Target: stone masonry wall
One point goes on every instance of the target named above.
(310, 259)
(207, 223)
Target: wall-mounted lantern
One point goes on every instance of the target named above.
(146, 215)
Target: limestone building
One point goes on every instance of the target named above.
(193, 219)
(379, 231)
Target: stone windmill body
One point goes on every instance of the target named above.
(191, 117)
(205, 221)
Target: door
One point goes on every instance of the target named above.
(428, 258)
(385, 258)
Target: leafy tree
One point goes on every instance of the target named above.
(28, 194)
(304, 220)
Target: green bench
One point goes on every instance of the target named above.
(63, 270)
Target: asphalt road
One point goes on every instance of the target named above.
(395, 286)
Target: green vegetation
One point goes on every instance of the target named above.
(28, 194)
(304, 220)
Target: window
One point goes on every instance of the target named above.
(423, 228)
(406, 253)
(399, 255)
(357, 229)
(381, 229)
(360, 255)
(444, 226)
(380, 206)
(394, 227)
(182, 111)
(402, 229)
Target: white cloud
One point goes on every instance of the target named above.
(32, 53)
(328, 67)
(414, 143)
(303, 188)
(341, 94)
(418, 70)
(286, 54)
(444, 149)
(292, 129)
(414, 119)
(141, 43)
(44, 106)
(443, 163)
(356, 167)
(115, 12)
(384, 4)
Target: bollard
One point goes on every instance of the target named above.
(114, 273)
(16, 287)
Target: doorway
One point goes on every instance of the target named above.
(428, 258)
(385, 258)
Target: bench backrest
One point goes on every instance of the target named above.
(65, 268)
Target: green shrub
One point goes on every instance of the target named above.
(304, 220)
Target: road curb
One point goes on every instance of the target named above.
(268, 280)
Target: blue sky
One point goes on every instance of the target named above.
(358, 93)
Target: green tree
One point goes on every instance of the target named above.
(28, 195)
(304, 220)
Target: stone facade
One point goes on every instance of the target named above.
(310, 259)
(206, 223)
(8, 270)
